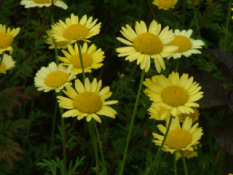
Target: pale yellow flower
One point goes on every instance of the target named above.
(87, 100)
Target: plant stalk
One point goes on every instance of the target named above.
(132, 122)
(157, 157)
(184, 163)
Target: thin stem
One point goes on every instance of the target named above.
(184, 12)
(63, 139)
(1, 59)
(184, 163)
(92, 128)
(53, 127)
(61, 109)
(157, 157)
(100, 147)
(81, 61)
(227, 26)
(195, 15)
(175, 165)
(151, 9)
(206, 15)
(132, 122)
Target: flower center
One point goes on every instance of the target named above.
(166, 3)
(182, 42)
(43, 1)
(148, 43)
(56, 79)
(5, 40)
(76, 32)
(2, 66)
(87, 61)
(174, 96)
(178, 138)
(87, 102)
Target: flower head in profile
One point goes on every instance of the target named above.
(193, 115)
(87, 100)
(178, 94)
(145, 44)
(159, 112)
(53, 77)
(165, 4)
(179, 138)
(186, 45)
(50, 41)
(43, 3)
(91, 56)
(6, 63)
(188, 154)
(75, 29)
(7, 36)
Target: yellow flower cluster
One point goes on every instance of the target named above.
(7, 36)
(174, 97)
(84, 100)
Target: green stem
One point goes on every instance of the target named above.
(196, 18)
(91, 128)
(184, 163)
(175, 165)
(53, 127)
(63, 140)
(94, 145)
(151, 9)
(132, 122)
(157, 157)
(183, 14)
(101, 149)
(227, 26)
(61, 109)
(1, 59)
(81, 61)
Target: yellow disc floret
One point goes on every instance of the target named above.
(87, 61)
(5, 40)
(178, 138)
(56, 79)
(166, 3)
(174, 96)
(182, 42)
(148, 43)
(76, 32)
(87, 102)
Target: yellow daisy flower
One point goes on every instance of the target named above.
(176, 93)
(53, 77)
(87, 101)
(75, 29)
(188, 154)
(193, 115)
(92, 58)
(50, 41)
(6, 63)
(179, 138)
(165, 4)
(7, 36)
(43, 3)
(144, 44)
(159, 112)
(187, 46)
